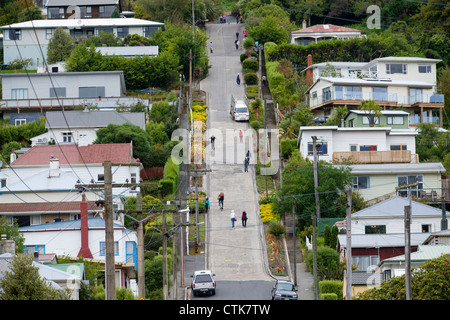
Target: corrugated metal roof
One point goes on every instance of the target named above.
(325, 28)
(93, 223)
(37, 207)
(92, 119)
(382, 240)
(397, 168)
(82, 23)
(73, 154)
(424, 253)
(395, 207)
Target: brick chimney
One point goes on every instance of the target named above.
(7, 245)
(309, 72)
(54, 167)
(85, 252)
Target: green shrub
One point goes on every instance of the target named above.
(276, 229)
(256, 125)
(328, 266)
(166, 186)
(251, 78)
(287, 146)
(248, 43)
(331, 287)
(328, 296)
(243, 56)
(250, 64)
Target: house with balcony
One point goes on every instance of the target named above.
(30, 39)
(81, 9)
(25, 94)
(381, 159)
(392, 82)
(321, 32)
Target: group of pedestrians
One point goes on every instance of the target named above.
(233, 219)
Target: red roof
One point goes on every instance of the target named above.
(73, 206)
(322, 28)
(70, 153)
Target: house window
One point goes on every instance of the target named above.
(148, 31)
(19, 122)
(91, 92)
(326, 94)
(353, 147)
(103, 248)
(67, 137)
(49, 33)
(365, 263)
(380, 93)
(347, 92)
(361, 182)
(122, 32)
(425, 68)
(366, 120)
(395, 120)
(367, 148)
(57, 92)
(131, 252)
(399, 147)
(106, 11)
(2, 182)
(351, 124)
(426, 228)
(375, 229)
(55, 13)
(86, 12)
(415, 95)
(19, 94)
(100, 177)
(405, 180)
(393, 68)
(133, 178)
(31, 249)
(322, 148)
(14, 34)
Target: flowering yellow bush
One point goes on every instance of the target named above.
(267, 214)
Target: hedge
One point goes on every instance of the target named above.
(251, 78)
(250, 64)
(328, 296)
(331, 287)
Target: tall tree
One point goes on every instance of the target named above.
(59, 46)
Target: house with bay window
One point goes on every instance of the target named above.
(381, 159)
(392, 82)
(29, 39)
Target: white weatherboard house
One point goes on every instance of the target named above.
(378, 231)
(380, 159)
(80, 127)
(408, 82)
(30, 39)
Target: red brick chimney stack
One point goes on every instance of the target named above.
(85, 252)
(309, 72)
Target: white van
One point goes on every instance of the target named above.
(239, 110)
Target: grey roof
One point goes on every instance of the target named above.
(63, 3)
(424, 253)
(381, 240)
(129, 51)
(92, 119)
(82, 23)
(395, 207)
(397, 168)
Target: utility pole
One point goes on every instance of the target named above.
(140, 248)
(165, 272)
(174, 259)
(408, 252)
(109, 236)
(294, 239)
(316, 176)
(349, 246)
(316, 284)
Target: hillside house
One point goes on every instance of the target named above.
(322, 32)
(81, 9)
(30, 39)
(408, 82)
(378, 230)
(41, 185)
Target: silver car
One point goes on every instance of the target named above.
(203, 282)
(284, 290)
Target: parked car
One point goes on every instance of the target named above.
(203, 282)
(320, 120)
(284, 290)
